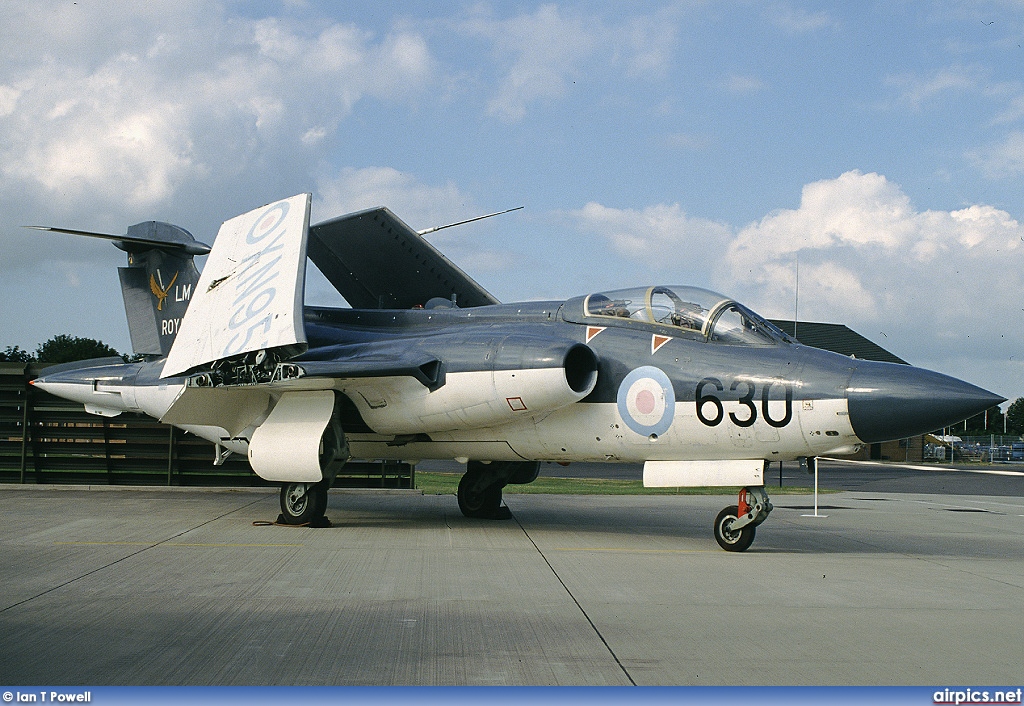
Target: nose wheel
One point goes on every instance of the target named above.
(735, 526)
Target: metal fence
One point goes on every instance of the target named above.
(993, 448)
(45, 439)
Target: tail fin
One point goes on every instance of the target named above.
(158, 282)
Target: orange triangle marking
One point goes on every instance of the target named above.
(593, 331)
(658, 341)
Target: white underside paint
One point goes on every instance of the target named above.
(471, 417)
(231, 408)
(596, 432)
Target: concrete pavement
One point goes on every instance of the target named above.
(177, 586)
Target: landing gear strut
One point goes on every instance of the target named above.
(306, 503)
(479, 500)
(735, 525)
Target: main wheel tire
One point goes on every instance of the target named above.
(732, 540)
(524, 472)
(478, 503)
(303, 503)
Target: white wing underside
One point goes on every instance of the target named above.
(249, 296)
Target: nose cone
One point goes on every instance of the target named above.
(889, 401)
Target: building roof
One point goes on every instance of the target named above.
(838, 339)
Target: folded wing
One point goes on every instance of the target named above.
(249, 297)
(376, 261)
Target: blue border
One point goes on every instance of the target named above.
(474, 696)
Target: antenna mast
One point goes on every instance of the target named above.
(796, 296)
(468, 220)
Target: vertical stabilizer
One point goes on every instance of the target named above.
(157, 286)
(158, 282)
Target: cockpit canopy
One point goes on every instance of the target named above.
(692, 313)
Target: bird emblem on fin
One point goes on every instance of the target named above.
(159, 291)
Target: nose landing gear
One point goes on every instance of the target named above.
(735, 525)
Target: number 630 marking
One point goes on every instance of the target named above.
(747, 400)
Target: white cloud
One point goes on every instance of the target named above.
(662, 237)
(648, 43)
(867, 258)
(915, 90)
(543, 52)
(1012, 113)
(420, 205)
(8, 99)
(688, 141)
(854, 209)
(179, 95)
(744, 84)
(1005, 159)
(314, 136)
(798, 20)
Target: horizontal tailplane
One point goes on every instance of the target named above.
(158, 282)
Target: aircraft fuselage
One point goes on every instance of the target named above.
(657, 396)
(776, 403)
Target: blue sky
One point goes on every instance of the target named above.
(712, 143)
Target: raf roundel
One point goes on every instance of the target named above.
(646, 401)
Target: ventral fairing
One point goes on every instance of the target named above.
(429, 365)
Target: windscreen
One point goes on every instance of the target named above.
(692, 311)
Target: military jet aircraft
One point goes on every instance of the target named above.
(428, 365)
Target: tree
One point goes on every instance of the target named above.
(13, 354)
(65, 349)
(988, 422)
(1015, 417)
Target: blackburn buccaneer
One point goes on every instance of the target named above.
(428, 365)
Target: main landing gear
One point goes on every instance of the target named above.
(480, 488)
(735, 525)
(304, 503)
